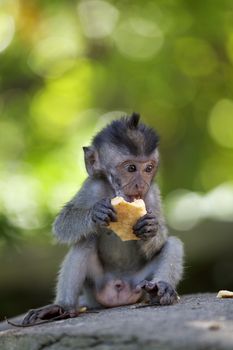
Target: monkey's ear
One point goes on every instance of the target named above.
(92, 162)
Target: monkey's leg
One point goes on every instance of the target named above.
(76, 267)
(82, 262)
(161, 275)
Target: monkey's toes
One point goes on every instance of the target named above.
(44, 313)
(160, 292)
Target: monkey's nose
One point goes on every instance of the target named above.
(139, 188)
(119, 285)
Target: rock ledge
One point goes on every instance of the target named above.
(199, 321)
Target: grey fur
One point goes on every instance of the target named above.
(99, 263)
(74, 222)
(159, 258)
(97, 252)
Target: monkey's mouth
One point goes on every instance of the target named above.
(132, 197)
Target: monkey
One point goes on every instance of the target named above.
(100, 270)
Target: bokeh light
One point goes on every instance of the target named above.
(138, 38)
(57, 47)
(229, 46)
(7, 30)
(195, 57)
(55, 107)
(98, 18)
(19, 200)
(185, 209)
(221, 123)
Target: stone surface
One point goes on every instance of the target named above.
(197, 322)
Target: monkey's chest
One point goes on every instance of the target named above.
(118, 255)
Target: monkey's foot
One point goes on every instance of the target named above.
(160, 292)
(48, 313)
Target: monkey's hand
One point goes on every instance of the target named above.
(103, 212)
(146, 227)
(49, 312)
(160, 292)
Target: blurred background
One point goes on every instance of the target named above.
(67, 68)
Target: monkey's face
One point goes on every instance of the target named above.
(132, 178)
(117, 292)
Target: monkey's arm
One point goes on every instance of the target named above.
(157, 237)
(79, 218)
(161, 275)
(169, 262)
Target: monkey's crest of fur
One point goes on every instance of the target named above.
(132, 122)
(128, 133)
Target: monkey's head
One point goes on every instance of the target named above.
(126, 153)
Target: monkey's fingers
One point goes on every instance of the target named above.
(145, 229)
(146, 232)
(109, 212)
(146, 220)
(101, 219)
(103, 212)
(105, 203)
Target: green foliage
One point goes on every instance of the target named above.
(69, 67)
(9, 232)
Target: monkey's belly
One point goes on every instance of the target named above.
(119, 258)
(118, 293)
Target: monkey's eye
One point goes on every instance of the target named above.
(131, 168)
(149, 168)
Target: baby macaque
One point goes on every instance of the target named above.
(122, 161)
